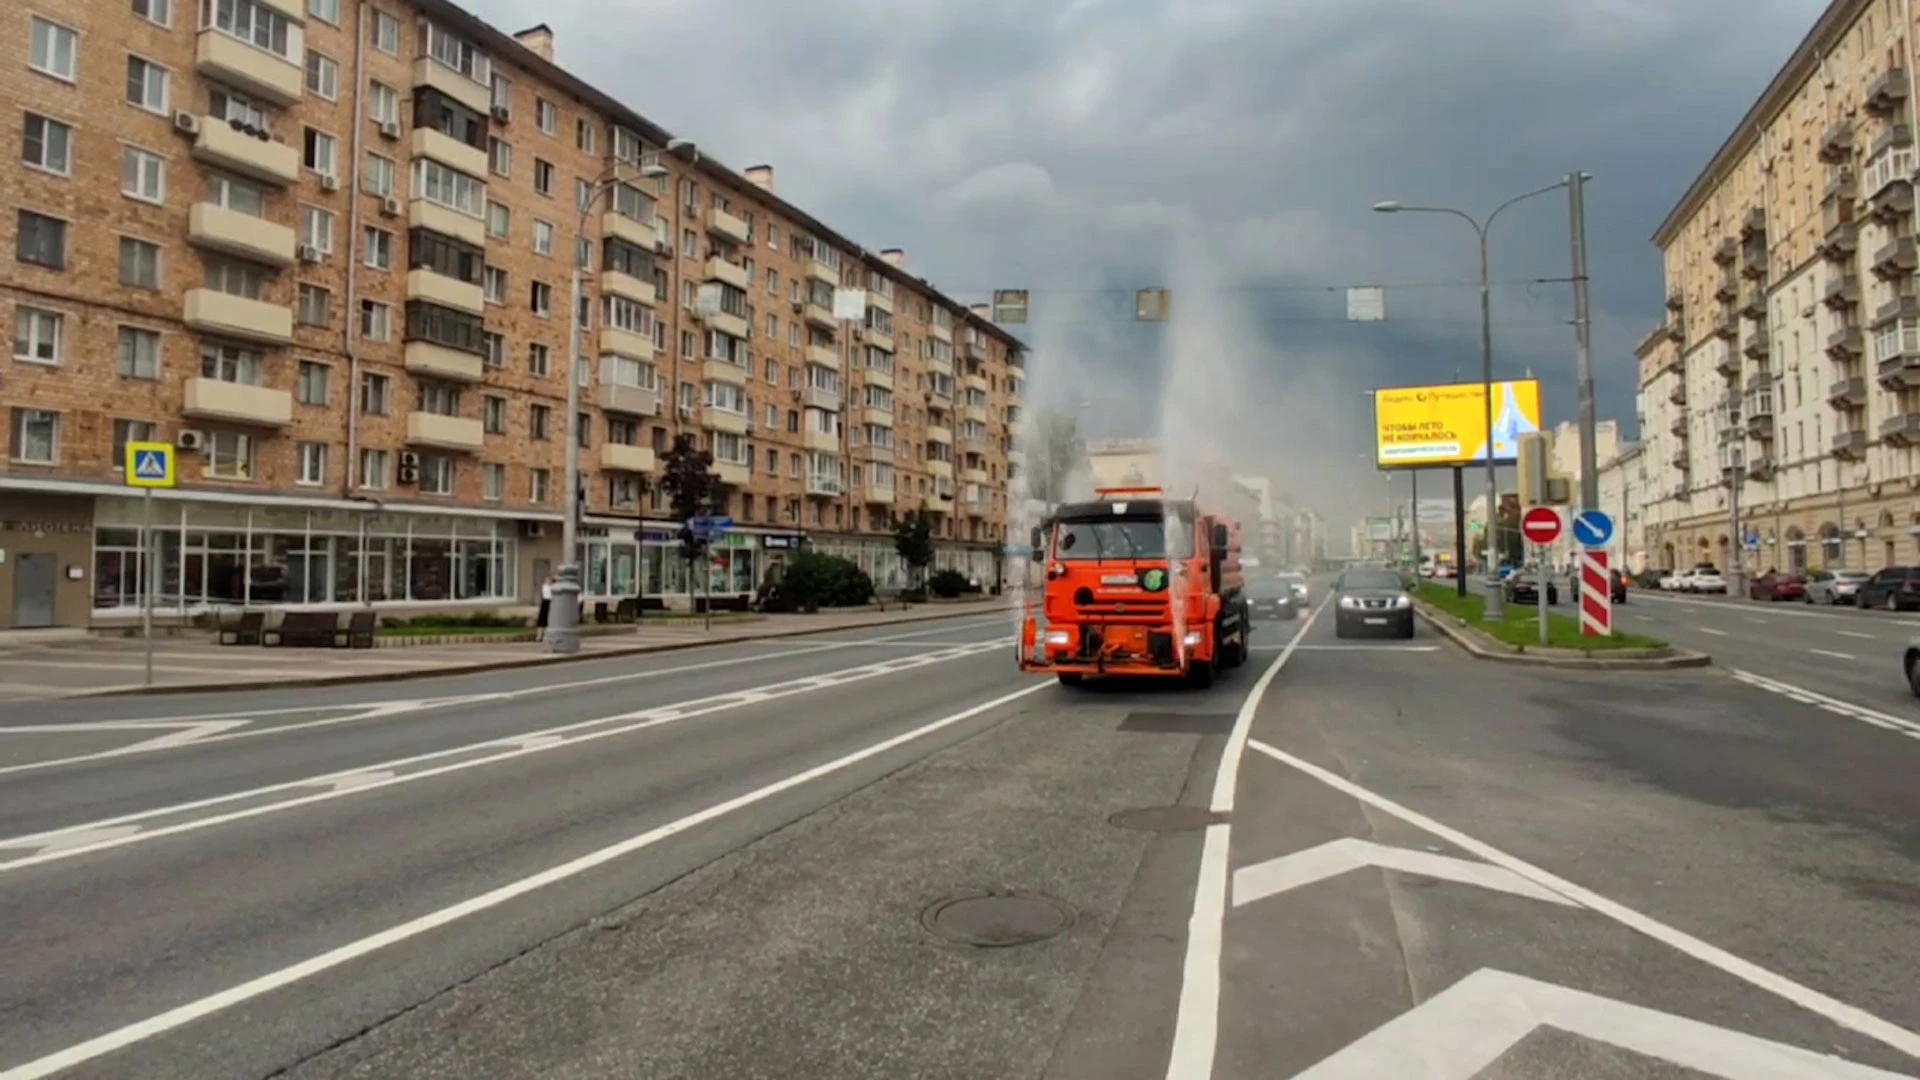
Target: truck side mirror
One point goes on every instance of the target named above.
(1219, 536)
(1037, 539)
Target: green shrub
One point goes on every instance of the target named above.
(815, 580)
(948, 584)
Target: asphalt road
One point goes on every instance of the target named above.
(782, 859)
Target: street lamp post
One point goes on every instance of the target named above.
(1493, 608)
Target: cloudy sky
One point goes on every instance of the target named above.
(1229, 149)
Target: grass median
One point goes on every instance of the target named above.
(1521, 625)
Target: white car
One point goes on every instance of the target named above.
(1706, 581)
(1676, 581)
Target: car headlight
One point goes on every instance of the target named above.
(1349, 602)
(1193, 637)
(1403, 601)
(1058, 637)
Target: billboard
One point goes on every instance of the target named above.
(1416, 426)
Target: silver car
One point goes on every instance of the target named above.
(1834, 586)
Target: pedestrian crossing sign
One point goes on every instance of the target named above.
(149, 465)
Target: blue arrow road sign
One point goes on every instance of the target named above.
(709, 527)
(1592, 528)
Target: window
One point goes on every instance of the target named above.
(143, 175)
(542, 237)
(623, 492)
(386, 33)
(52, 48)
(325, 10)
(373, 470)
(627, 259)
(456, 53)
(383, 103)
(496, 221)
(37, 334)
(316, 228)
(323, 76)
(314, 305)
(499, 157)
(726, 397)
(229, 105)
(495, 354)
(34, 437)
(41, 240)
(124, 432)
(439, 398)
(312, 458)
(46, 143)
(450, 188)
(310, 383)
(773, 284)
(252, 22)
(536, 358)
(539, 482)
(583, 429)
(231, 363)
(731, 449)
(493, 481)
(378, 177)
(494, 285)
(582, 194)
(375, 320)
(378, 247)
(158, 12)
(686, 343)
(373, 393)
(146, 84)
(493, 414)
(583, 135)
(623, 314)
(429, 250)
(318, 153)
(540, 298)
(236, 278)
(793, 466)
(688, 244)
(543, 176)
(582, 252)
(229, 455)
(137, 353)
(139, 263)
(545, 115)
(436, 474)
(538, 417)
(455, 329)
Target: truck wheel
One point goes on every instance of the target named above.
(1069, 678)
(1200, 675)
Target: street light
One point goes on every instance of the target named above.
(1493, 608)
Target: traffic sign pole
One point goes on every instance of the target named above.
(146, 584)
(148, 465)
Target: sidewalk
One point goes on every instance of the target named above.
(42, 670)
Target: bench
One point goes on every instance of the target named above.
(359, 631)
(306, 629)
(249, 630)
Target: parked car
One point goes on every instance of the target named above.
(1772, 586)
(1834, 586)
(1896, 588)
(1910, 664)
(1672, 580)
(1706, 580)
(1523, 587)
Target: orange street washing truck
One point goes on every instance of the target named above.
(1136, 584)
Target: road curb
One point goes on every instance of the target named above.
(1483, 647)
(510, 665)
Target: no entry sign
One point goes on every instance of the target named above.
(1540, 525)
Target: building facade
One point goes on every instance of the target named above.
(1779, 397)
(324, 248)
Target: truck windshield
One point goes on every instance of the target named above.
(1120, 538)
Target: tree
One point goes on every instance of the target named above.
(913, 541)
(687, 477)
(1056, 455)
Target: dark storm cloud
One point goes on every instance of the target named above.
(1075, 145)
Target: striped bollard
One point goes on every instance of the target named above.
(1596, 594)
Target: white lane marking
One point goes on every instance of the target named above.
(1352, 648)
(53, 844)
(1803, 611)
(179, 732)
(1848, 1016)
(1196, 1032)
(182, 1015)
(1848, 709)
(1856, 634)
(1756, 620)
(1336, 857)
(1691, 610)
(1835, 655)
(374, 710)
(1711, 630)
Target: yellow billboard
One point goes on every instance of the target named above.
(1417, 426)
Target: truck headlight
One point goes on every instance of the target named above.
(1058, 637)
(1193, 637)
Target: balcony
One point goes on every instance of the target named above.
(1848, 393)
(1760, 467)
(1841, 240)
(877, 417)
(234, 403)
(1728, 363)
(622, 342)
(940, 434)
(620, 457)
(878, 455)
(877, 299)
(1898, 371)
(826, 442)
(1887, 91)
(1759, 345)
(438, 288)
(1678, 395)
(942, 470)
(1836, 142)
(719, 269)
(1893, 196)
(818, 397)
(822, 273)
(713, 419)
(1842, 291)
(1901, 429)
(721, 223)
(819, 316)
(1850, 445)
(628, 399)
(1726, 251)
(638, 233)
(1754, 305)
(1016, 456)
(976, 413)
(879, 491)
(940, 333)
(974, 381)
(223, 145)
(437, 361)
(226, 315)
(422, 214)
(429, 72)
(449, 151)
(1845, 343)
(256, 71)
(1760, 416)
(1728, 289)
(879, 339)
(626, 286)
(733, 473)
(823, 484)
(723, 371)
(1753, 259)
(726, 322)
(1903, 306)
(880, 377)
(1894, 259)
(212, 226)
(821, 356)
(444, 432)
(973, 476)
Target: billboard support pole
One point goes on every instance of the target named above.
(1413, 482)
(1459, 532)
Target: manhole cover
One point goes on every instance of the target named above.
(997, 920)
(1171, 723)
(1166, 819)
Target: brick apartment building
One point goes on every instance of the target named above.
(322, 247)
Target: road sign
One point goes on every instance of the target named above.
(1592, 528)
(708, 526)
(1596, 594)
(149, 465)
(1540, 525)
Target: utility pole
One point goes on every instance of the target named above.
(1582, 326)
